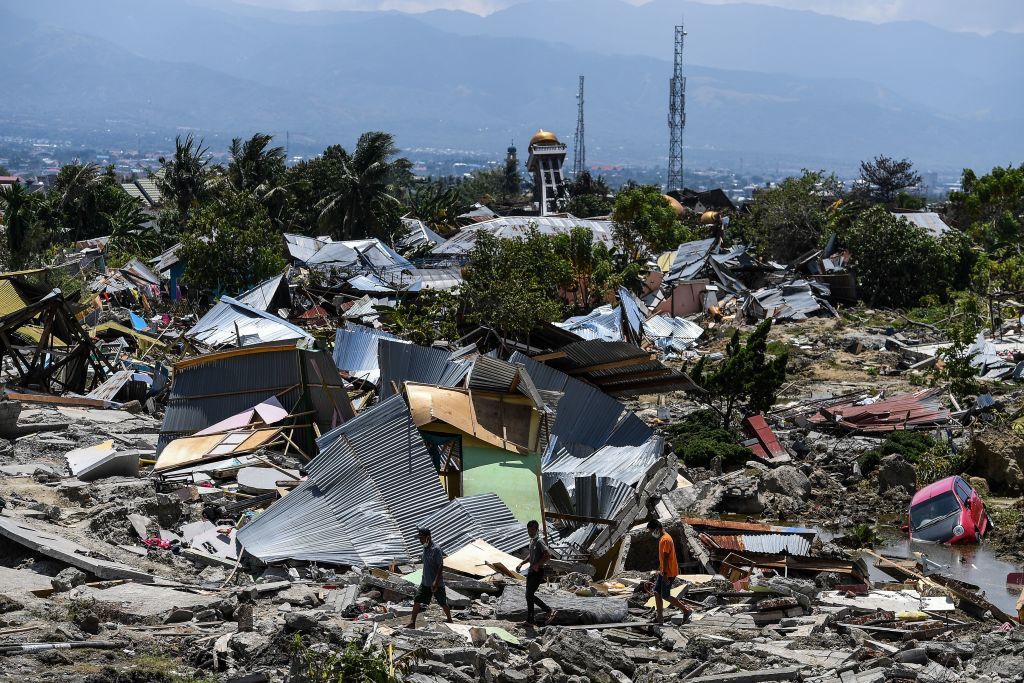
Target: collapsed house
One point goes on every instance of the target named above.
(366, 494)
(43, 343)
(304, 381)
(702, 276)
(458, 246)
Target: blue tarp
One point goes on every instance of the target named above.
(138, 322)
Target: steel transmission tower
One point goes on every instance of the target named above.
(676, 115)
(579, 161)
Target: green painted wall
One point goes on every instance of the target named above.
(512, 477)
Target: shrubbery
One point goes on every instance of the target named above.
(699, 438)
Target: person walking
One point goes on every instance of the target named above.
(668, 570)
(538, 557)
(432, 582)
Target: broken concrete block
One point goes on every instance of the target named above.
(571, 609)
(68, 579)
(303, 621)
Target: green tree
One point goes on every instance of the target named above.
(747, 378)
(230, 246)
(966, 321)
(791, 218)
(16, 205)
(131, 232)
(512, 285)
(255, 166)
(644, 223)
(991, 207)
(898, 263)
(185, 180)
(438, 205)
(486, 186)
(428, 317)
(511, 179)
(588, 196)
(364, 203)
(883, 177)
(78, 200)
(310, 183)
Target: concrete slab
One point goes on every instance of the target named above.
(60, 548)
(571, 609)
(142, 601)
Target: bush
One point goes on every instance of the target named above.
(899, 264)
(933, 459)
(698, 439)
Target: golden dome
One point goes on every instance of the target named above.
(544, 137)
(676, 206)
(709, 217)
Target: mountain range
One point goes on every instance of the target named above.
(763, 84)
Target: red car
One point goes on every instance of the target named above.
(948, 511)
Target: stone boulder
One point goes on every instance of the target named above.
(787, 481)
(999, 458)
(895, 472)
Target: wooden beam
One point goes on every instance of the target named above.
(625, 363)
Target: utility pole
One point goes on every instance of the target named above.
(676, 115)
(579, 162)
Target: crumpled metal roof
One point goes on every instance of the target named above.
(485, 516)
(233, 323)
(400, 363)
(627, 464)
(264, 295)
(198, 398)
(604, 323)
(690, 259)
(510, 227)
(417, 234)
(791, 301)
(669, 333)
(363, 500)
(587, 418)
(767, 544)
(355, 350)
(929, 221)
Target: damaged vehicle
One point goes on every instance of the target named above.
(948, 511)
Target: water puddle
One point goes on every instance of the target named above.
(974, 564)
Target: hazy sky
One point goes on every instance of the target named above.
(982, 16)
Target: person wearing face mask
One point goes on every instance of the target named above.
(535, 561)
(432, 583)
(668, 570)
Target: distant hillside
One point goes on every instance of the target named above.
(449, 80)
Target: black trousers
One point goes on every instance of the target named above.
(533, 581)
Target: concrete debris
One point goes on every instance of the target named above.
(236, 493)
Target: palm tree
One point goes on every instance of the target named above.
(185, 177)
(438, 206)
(131, 232)
(16, 203)
(364, 203)
(254, 165)
(75, 191)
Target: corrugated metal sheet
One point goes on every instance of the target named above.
(765, 544)
(929, 221)
(231, 320)
(603, 323)
(627, 464)
(355, 351)
(690, 259)
(363, 500)
(214, 387)
(587, 419)
(10, 298)
(633, 311)
(400, 363)
(510, 227)
(264, 295)
(674, 334)
(485, 516)
(110, 388)
(792, 301)
(417, 234)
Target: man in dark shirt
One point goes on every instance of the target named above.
(538, 557)
(432, 583)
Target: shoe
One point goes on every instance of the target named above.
(551, 618)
